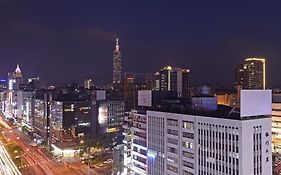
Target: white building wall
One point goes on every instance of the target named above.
(247, 153)
(231, 161)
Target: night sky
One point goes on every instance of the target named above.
(62, 39)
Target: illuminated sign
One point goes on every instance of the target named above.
(111, 130)
(103, 114)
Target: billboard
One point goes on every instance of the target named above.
(255, 102)
(145, 98)
(103, 117)
(99, 95)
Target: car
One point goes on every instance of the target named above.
(92, 166)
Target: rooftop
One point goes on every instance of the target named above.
(222, 111)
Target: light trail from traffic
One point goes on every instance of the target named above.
(7, 165)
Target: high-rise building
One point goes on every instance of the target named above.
(88, 83)
(157, 81)
(135, 152)
(254, 73)
(117, 68)
(239, 75)
(175, 79)
(18, 77)
(110, 116)
(170, 139)
(251, 74)
(129, 91)
(149, 81)
(132, 83)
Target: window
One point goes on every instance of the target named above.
(187, 125)
(188, 154)
(172, 150)
(172, 122)
(186, 173)
(188, 135)
(188, 164)
(173, 141)
(187, 144)
(172, 168)
(172, 132)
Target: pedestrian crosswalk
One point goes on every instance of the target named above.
(34, 163)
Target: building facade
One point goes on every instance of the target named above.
(254, 73)
(251, 74)
(202, 140)
(110, 116)
(88, 83)
(175, 79)
(135, 149)
(276, 123)
(188, 144)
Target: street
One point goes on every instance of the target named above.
(36, 162)
(6, 164)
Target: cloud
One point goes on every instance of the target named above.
(92, 33)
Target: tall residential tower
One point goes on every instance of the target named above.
(251, 74)
(254, 73)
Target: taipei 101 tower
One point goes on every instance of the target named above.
(116, 64)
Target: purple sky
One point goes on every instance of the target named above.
(60, 40)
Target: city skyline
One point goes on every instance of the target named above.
(140, 88)
(207, 38)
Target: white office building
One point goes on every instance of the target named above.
(135, 156)
(192, 142)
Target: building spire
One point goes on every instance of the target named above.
(17, 72)
(18, 69)
(117, 45)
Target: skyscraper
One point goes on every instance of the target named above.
(18, 77)
(175, 79)
(132, 83)
(117, 64)
(251, 74)
(88, 83)
(254, 73)
(239, 75)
